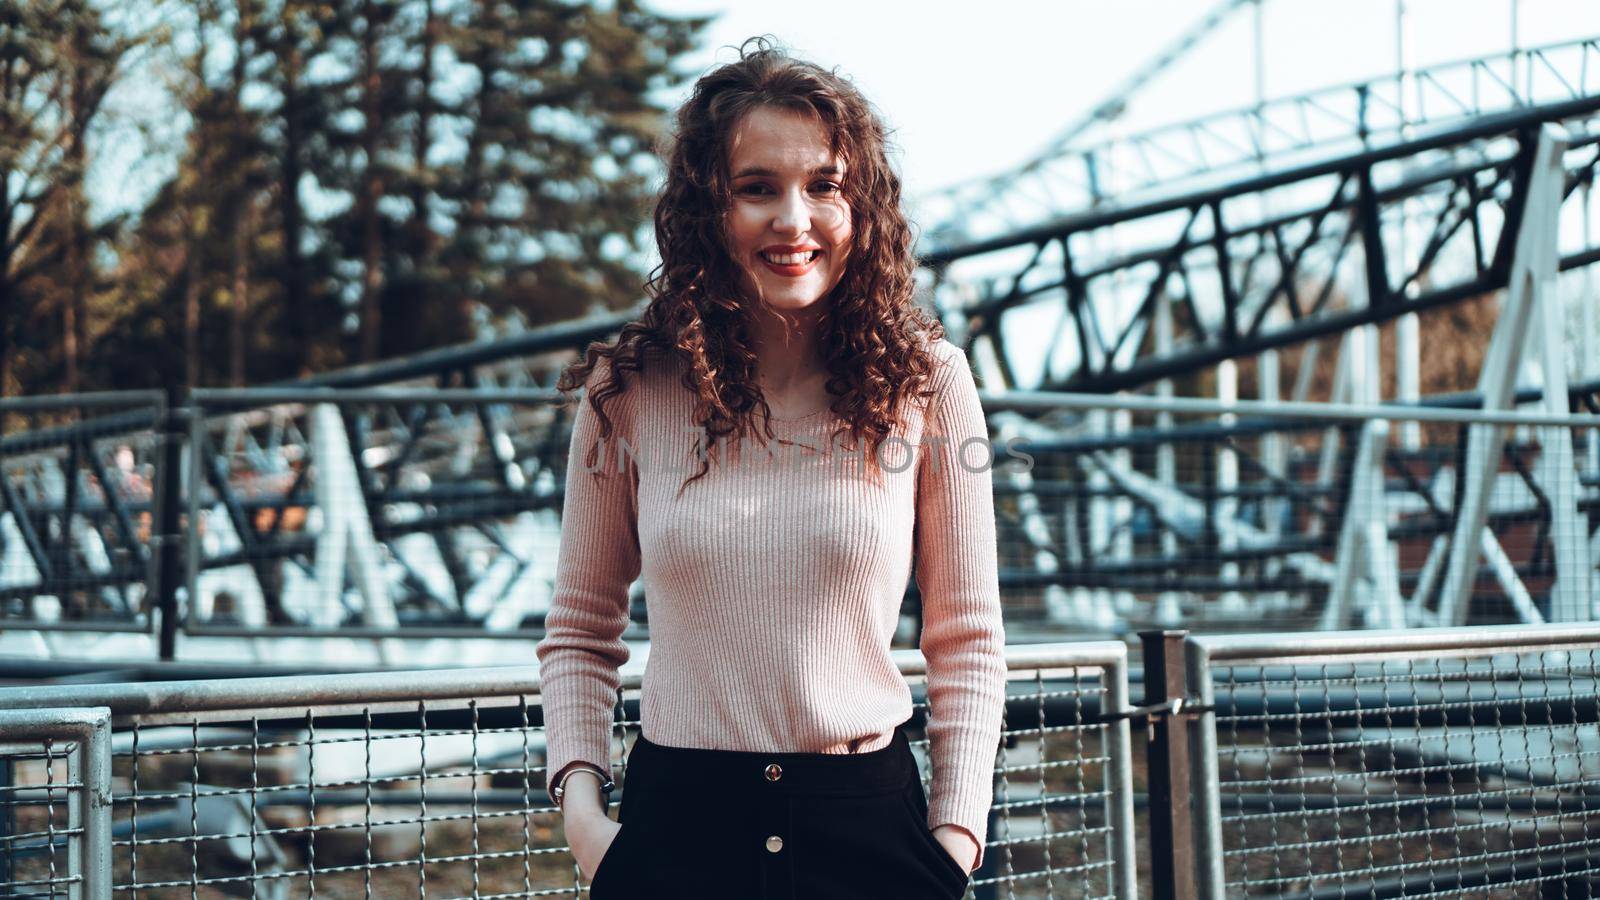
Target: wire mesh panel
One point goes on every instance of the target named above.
(435, 798)
(1427, 763)
(78, 510)
(432, 784)
(1062, 820)
(54, 827)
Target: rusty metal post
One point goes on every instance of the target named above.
(168, 559)
(1172, 847)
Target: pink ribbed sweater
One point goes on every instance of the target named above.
(774, 584)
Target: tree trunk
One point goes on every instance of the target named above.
(239, 294)
(296, 303)
(191, 310)
(75, 230)
(245, 207)
(421, 232)
(371, 190)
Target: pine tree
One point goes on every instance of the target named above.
(354, 179)
(58, 60)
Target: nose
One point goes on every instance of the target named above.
(793, 215)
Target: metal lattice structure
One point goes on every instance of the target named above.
(1122, 521)
(1278, 260)
(1276, 134)
(419, 498)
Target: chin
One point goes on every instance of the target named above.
(792, 297)
(793, 304)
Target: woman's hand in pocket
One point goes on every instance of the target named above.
(590, 835)
(959, 843)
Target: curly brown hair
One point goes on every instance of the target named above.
(875, 341)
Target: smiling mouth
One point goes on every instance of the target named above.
(792, 265)
(788, 260)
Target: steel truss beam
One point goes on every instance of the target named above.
(1239, 282)
(1250, 141)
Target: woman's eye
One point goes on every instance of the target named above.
(753, 189)
(826, 187)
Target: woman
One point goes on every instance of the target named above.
(772, 760)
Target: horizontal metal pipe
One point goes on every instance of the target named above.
(217, 399)
(424, 685)
(562, 336)
(1156, 581)
(141, 423)
(1474, 639)
(122, 399)
(1049, 401)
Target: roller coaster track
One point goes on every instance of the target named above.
(1256, 264)
(1232, 146)
(441, 472)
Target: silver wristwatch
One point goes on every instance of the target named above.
(560, 789)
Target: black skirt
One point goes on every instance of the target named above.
(775, 826)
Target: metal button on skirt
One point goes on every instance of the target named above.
(775, 826)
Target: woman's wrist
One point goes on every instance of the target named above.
(968, 840)
(580, 794)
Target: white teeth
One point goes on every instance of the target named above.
(790, 259)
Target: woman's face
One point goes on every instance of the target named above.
(788, 225)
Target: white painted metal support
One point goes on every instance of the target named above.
(1355, 378)
(1428, 579)
(1407, 332)
(345, 542)
(1570, 596)
(1036, 524)
(1094, 605)
(1588, 301)
(1274, 449)
(1168, 607)
(1187, 512)
(1122, 512)
(1228, 484)
(1505, 572)
(1532, 267)
(1363, 549)
(1408, 374)
(1306, 371)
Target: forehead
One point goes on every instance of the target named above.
(780, 140)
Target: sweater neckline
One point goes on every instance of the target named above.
(792, 420)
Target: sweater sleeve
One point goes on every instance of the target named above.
(582, 648)
(963, 637)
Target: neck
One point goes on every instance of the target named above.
(786, 349)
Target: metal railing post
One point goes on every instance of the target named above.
(89, 856)
(168, 515)
(8, 816)
(1172, 859)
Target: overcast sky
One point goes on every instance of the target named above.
(973, 88)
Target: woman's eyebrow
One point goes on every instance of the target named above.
(769, 173)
